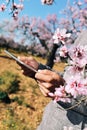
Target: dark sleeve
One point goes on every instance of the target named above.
(41, 66)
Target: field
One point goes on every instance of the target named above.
(26, 106)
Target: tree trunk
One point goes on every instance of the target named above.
(51, 56)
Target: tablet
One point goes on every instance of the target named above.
(19, 61)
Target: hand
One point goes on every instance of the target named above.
(31, 62)
(48, 81)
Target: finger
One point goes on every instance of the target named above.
(52, 95)
(46, 71)
(46, 93)
(29, 61)
(43, 90)
(25, 58)
(46, 85)
(52, 78)
(42, 76)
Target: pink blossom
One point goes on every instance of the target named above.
(78, 54)
(75, 86)
(63, 51)
(65, 22)
(75, 70)
(15, 15)
(48, 2)
(75, 15)
(85, 129)
(60, 35)
(79, 3)
(17, 6)
(57, 59)
(85, 1)
(14, 6)
(60, 94)
(20, 6)
(2, 7)
(52, 18)
(68, 128)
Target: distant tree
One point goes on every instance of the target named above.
(35, 31)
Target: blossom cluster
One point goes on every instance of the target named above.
(75, 74)
(14, 7)
(48, 2)
(17, 7)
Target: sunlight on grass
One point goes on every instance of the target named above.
(27, 103)
(9, 82)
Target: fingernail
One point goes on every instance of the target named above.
(19, 57)
(51, 94)
(39, 70)
(22, 71)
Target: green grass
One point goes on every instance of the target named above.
(9, 82)
(25, 110)
(12, 123)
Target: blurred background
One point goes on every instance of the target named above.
(26, 29)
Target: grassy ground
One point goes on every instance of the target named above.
(27, 103)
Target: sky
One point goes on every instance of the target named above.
(35, 8)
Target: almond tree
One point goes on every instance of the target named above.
(34, 30)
